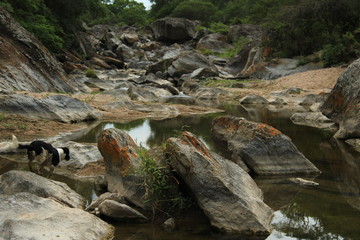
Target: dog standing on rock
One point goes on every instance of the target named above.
(45, 156)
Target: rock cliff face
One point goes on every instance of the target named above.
(343, 104)
(25, 62)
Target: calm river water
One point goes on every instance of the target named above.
(328, 211)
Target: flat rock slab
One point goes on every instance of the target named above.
(228, 195)
(15, 181)
(57, 108)
(264, 149)
(26, 216)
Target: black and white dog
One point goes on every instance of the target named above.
(45, 156)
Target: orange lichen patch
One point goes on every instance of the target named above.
(230, 125)
(188, 138)
(116, 157)
(338, 100)
(267, 130)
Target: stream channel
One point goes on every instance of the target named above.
(330, 210)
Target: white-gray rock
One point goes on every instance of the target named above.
(15, 181)
(26, 216)
(228, 195)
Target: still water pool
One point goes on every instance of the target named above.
(328, 211)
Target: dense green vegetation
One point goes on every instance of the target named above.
(295, 27)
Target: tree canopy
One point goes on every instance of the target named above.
(295, 27)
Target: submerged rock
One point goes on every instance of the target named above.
(15, 181)
(264, 149)
(26, 216)
(343, 104)
(57, 108)
(228, 196)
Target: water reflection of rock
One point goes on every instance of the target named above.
(278, 192)
(346, 167)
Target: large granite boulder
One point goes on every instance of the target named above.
(227, 194)
(252, 32)
(26, 216)
(173, 29)
(264, 149)
(216, 43)
(15, 181)
(57, 108)
(121, 161)
(190, 62)
(343, 104)
(26, 64)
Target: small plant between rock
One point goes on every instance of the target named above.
(161, 186)
(91, 73)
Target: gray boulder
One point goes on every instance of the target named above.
(121, 160)
(80, 154)
(342, 105)
(173, 29)
(253, 32)
(120, 212)
(228, 196)
(253, 99)
(313, 119)
(193, 89)
(264, 149)
(26, 64)
(216, 43)
(15, 181)
(147, 93)
(57, 108)
(26, 216)
(190, 62)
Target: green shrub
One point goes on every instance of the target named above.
(164, 195)
(237, 46)
(195, 10)
(90, 73)
(345, 49)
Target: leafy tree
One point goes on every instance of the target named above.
(307, 26)
(163, 8)
(128, 12)
(195, 10)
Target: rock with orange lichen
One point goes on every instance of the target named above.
(228, 196)
(343, 104)
(264, 149)
(121, 160)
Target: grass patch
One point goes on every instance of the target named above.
(2, 116)
(90, 73)
(235, 49)
(14, 126)
(161, 187)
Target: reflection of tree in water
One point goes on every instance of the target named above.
(198, 125)
(317, 214)
(94, 133)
